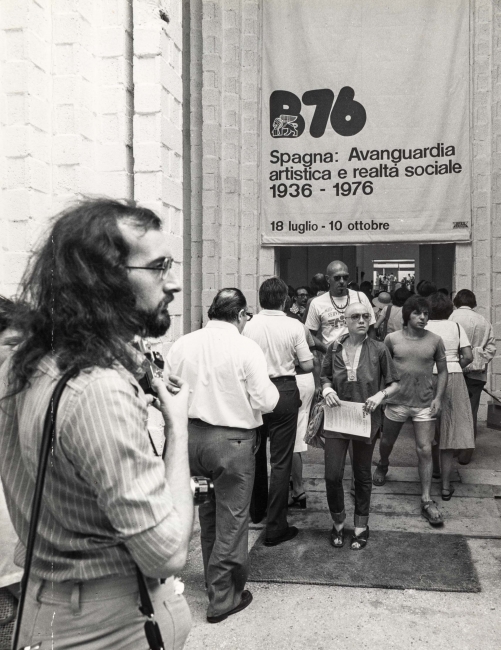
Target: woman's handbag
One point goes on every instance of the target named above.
(313, 435)
(151, 627)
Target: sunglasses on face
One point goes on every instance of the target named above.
(355, 317)
(338, 278)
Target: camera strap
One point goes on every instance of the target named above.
(152, 630)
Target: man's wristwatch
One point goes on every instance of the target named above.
(385, 394)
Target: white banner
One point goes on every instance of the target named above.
(365, 124)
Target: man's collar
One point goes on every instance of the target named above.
(222, 325)
(272, 312)
(465, 307)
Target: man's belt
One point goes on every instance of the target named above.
(284, 379)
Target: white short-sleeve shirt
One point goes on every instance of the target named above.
(282, 340)
(454, 337)
(327, 314)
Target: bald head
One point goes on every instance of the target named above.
(357, 318)
(338, 278)
(336, 267)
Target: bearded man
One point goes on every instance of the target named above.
(110, 507)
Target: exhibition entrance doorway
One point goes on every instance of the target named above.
(377, 263)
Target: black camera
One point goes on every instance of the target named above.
(202, 488)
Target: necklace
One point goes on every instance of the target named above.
(343, 308)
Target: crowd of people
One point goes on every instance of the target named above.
(117, 512)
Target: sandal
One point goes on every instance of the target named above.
(447, 494)
(298, 502)
(359, 541)
(435, 519)
(379, 476)
(337, 537)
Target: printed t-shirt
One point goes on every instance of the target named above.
(331, 322)
(454, 337)
(414, 360)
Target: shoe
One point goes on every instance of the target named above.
(337, 537)
(379, 476)
(433, 519)
(298, 502)
(359, 541)
(290, 533)
(436, 473)
(465, 456)
(447, 494)
(245, 601)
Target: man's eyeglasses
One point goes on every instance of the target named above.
(338, 278)
(163, 268)
(355, 317)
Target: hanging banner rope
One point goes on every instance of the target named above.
(365, 121)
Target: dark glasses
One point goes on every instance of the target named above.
(355, 317)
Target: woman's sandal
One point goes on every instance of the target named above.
(433, 519)
(337, 537)
(447, 494)
(359, 541)
(298, 502)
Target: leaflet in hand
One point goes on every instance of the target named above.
(349, 418)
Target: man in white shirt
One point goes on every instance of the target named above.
(326, 317)
(230, 389)
(483, 344)
(282, 340)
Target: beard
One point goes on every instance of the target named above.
(154, 323)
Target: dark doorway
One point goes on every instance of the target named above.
(432, 261)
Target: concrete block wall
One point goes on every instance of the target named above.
(65, 117)
(157, 124)
(193, 129)
(230, 79)
(90, 104)
(478, 265)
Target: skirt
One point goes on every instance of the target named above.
(456, 419)
(306, 385)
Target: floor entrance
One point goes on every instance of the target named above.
(435, 262)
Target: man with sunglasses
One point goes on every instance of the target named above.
(230, 390)
(112, 508)
(326, 318)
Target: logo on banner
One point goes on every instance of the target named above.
(347, 117)
(285, 126)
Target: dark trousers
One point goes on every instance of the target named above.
(226, 455)
(474, 387)
(335, 458)
(280, 427)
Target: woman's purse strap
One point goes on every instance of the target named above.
(45, 447)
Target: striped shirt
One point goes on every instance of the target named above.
(106, 503)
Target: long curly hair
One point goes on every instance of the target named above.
(76, 298)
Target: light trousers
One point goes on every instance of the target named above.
(101, 614)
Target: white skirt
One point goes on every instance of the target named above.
(306, 385)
